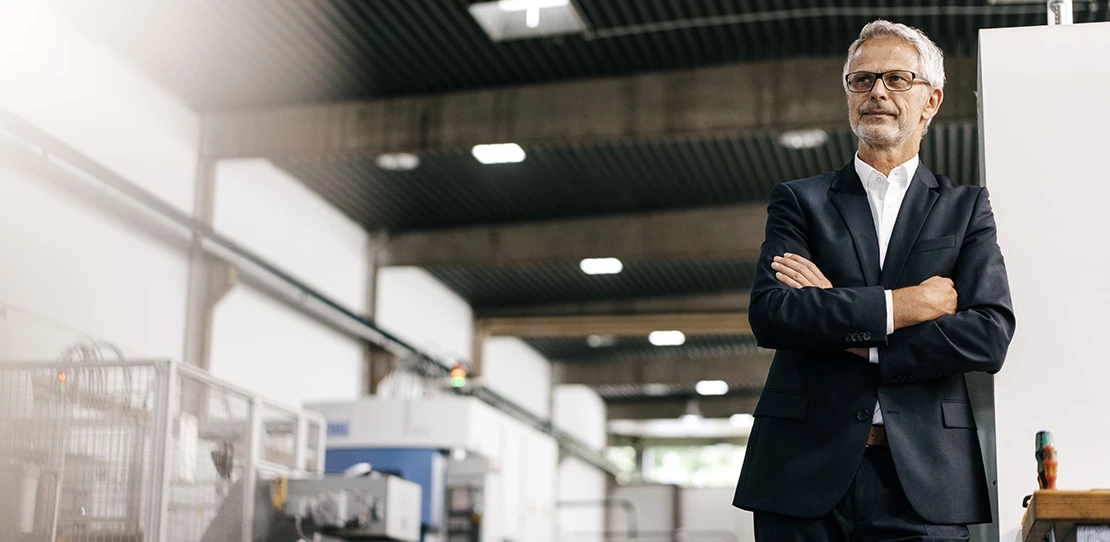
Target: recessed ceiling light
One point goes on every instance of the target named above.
(498, 153)
(598, 341)
(398, 161)
(711, 387)
(803, 139)
(656, 389)
(601, 266)
(667, 338)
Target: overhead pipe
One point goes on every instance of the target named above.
(275, 281)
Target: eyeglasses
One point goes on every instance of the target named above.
(895, 80)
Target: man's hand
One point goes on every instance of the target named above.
(925, 302)
(798, 272)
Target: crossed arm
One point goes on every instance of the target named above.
(937, 331)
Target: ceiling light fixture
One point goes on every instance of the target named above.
(692, 416)
(667, 338)
(711, 387)
(601, 266)
(519, 19)
(498, 153)
(598, 341)
(803, 139)
(398, 161)
(741, 420)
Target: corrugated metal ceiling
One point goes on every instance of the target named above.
(499, 286)
(232, 54)
(576, 349)
(582, 180)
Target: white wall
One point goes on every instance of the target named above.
(416, 307)
(70, 268)
(259, 343)
(580, 411)
(515, 370)
(1045, 147)
(710, 509)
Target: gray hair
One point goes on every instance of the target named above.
(929, 55)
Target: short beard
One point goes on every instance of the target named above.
(880, 137)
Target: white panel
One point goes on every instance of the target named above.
(76, 90)
(1045, 149)
(515, 370)
(710, 509)
(415, 306)
(268, 348)
(580, 411)
(581, 481)
(654, 504)
(278, 218)
(77, 273)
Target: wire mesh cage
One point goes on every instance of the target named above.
(138, 451)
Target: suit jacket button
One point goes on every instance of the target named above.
(867, 336)
(863, 415)
(855, 337)
(897, 380)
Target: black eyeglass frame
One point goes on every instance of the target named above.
(881, 75)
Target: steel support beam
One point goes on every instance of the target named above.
(757, 97)
(715, 323)
(749, 371)
(651, 408)
(731, 232)
(724, 302)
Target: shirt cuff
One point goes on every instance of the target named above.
(873, 352)
(889, 312)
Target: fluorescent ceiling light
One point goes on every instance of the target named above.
(524, 5)
(711, 387)
(498, 153)
(601, 266)
(803, 139)
(598, 341)
(656, 389)
(741, 420)
(667, 338)
(398, 161)
(520, 19)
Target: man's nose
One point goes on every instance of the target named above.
(879, 90)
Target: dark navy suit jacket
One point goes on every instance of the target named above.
(814, 415)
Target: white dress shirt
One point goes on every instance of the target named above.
(885, 195)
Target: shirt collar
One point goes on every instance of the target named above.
(865, 171)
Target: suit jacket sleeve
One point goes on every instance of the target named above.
(977, 336)
(785, 318)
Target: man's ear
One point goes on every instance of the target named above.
(932, 104)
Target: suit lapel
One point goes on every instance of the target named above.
(919, 200)
(850, 200)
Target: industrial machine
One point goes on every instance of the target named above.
(138, 451)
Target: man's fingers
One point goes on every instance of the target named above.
(787, 280)
(784, 268)
(805, 266)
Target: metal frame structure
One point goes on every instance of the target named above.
(111, 450)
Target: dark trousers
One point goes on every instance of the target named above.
(874, 509)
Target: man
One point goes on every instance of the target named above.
(879, 286)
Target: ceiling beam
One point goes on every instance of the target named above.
(730, 232)
(721, 406)
(722, 302)
(716, 323)
(747, 371)
(758, 97)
